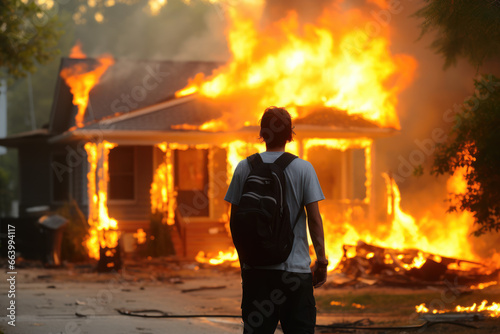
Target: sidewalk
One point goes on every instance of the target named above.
(69, 301)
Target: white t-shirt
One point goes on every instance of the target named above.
(302, 188)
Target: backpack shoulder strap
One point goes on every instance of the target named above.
(255, 160)
(284, 160)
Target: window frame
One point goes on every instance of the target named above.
(134, 174)
(52, 176)
(205, 191)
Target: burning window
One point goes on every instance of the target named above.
(328, 165)
(191, 181)
(61, 177)
(358, 174)
(122, 173)
(340, 173)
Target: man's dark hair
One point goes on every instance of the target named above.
(276, 127)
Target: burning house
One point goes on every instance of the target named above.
(128, 140)
(130, 155)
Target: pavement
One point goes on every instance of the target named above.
(73, 300)
(77, 300)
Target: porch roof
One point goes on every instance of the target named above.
(18, 139)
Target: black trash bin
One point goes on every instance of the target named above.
(52, 228)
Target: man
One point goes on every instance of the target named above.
(284, 292)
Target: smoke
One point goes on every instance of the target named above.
(178, 32)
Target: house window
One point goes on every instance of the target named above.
(328, 166)
(358, 174)
(342, 174)
(191, 181)
(121, 173)
(61, 176)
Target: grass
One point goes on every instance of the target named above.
(393, 308)
(391, 303)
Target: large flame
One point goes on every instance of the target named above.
(103, 231)
(331, 63)
(407, 232)
(81, 78)
(162, 189)
(403, 231)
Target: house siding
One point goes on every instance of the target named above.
(34, 169)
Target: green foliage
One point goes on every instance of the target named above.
(43, 83)
(28, 35)
(465, 28)
(474, 145)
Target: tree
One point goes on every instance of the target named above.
(473, 144)
(28, 35)
(465, 28)
(471, 29)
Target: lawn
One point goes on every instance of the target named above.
(396, 307)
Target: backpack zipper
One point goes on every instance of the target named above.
(258, 197)
(281, 193)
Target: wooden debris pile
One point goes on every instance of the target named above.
(368, 264)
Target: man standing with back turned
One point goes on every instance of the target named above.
(284, 292)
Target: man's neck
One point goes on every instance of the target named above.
(276, 149)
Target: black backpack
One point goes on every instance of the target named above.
(260, 228)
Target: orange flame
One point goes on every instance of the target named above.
(162, 188)
(229, 256)
(81, 78)
(331, 63)
(76, 52)
(405, 231)
(140, 235)
(492, 310)
(103, 231)
(482, 286)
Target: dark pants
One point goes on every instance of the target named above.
(270, 296)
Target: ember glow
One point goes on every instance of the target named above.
(230, 256)
(331, 63)
(81, 78)
(355, 305)
(140, 236)
(482, 286)
(103, 231)
(490, 309)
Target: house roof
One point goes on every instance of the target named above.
(126, 86)
(160, 122)
(135, 102)
(163, 116)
